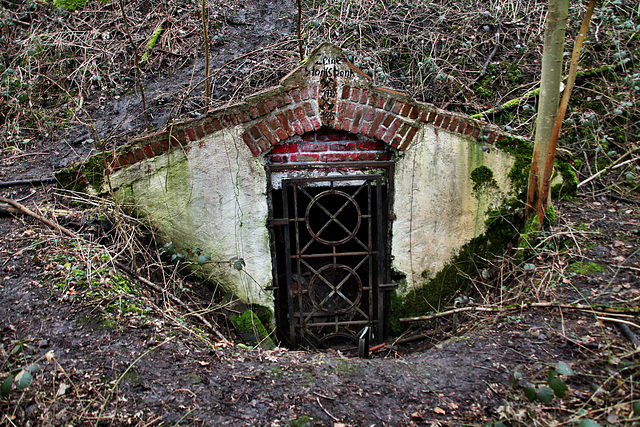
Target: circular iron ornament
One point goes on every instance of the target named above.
(332, 217)
(337, 339)
(335, 289)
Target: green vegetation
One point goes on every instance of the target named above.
(586, 268)
(252, 330)
(69, 5)
(483, 179)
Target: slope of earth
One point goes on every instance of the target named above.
(104, 362)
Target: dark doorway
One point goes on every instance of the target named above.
(330, 239)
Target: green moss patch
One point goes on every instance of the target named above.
(586, 268)
(483, 179)
(252, 330)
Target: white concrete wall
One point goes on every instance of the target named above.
(215, 201)
(213, 196)
(435, 207)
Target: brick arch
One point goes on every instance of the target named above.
(328, 146)
(376, 113)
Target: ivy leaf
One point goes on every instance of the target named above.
(23, 379)
(202, 259)
(5, 389)
(239, 264)
(32, 368)
(564, 369)
(515, 377)
(545, 394)
(557, 385)
(530, 393)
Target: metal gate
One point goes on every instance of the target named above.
(333, 257)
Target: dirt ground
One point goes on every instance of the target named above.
(115, 352)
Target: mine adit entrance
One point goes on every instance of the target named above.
(330, 234)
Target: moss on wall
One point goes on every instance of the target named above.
(483, 179)
(86, 177)
(252, 330)
(502, 227)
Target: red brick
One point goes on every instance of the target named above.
(273, 122)
(445, 122)
(351, 109)
(405, 111)
(389, 104)
(314, 91)
(304, 91)
(438, 120)
(279, 100)
(226, 121)
(122, 160)
(192, 134)
(397, 107)
(253, 112)
(376, 122)
(278, 159)
(131, 158)
(282, 134)
(383, 156)
(334, 157)
(199, 131)
(182, 137)
(431, 117)
(370, 145)
(364, 129)
(330, 136)
(346, 125)
(409, 138)
(234, 119)
(139, 152)
(297, 127)
(415, 112)
(308, 108)
(255, 150)
(380, 132)
(355, 94)
(396, 141)
(287, 98)
(267, 132)
(342, 146)
(165, 145)
(255, 132)
(391, 131)
(492, 138)
(370, 114)
(453, 125)
(315, 122)
(284, 123)
(303, 119)
(365, 97)
(208, 127)
(309, 137)
(243, 117)
(271, 105)
(380, 102)
(387, 121)
(296, 95)
(216, 124)
(475, 133)
(304, 157)
(156, 148)
(362, 157)
(423, 116)
(285, 148)
(313, 147)
(263, 144)
(345, 92)
(262, 108)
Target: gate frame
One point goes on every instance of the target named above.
(384, 168)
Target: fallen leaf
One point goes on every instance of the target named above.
(439, 410)
(617, 243)
(50, 355)
(453, 406)
(619, 259)
(62, 389)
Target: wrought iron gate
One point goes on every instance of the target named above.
(333, 257)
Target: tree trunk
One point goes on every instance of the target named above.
(553, 49)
